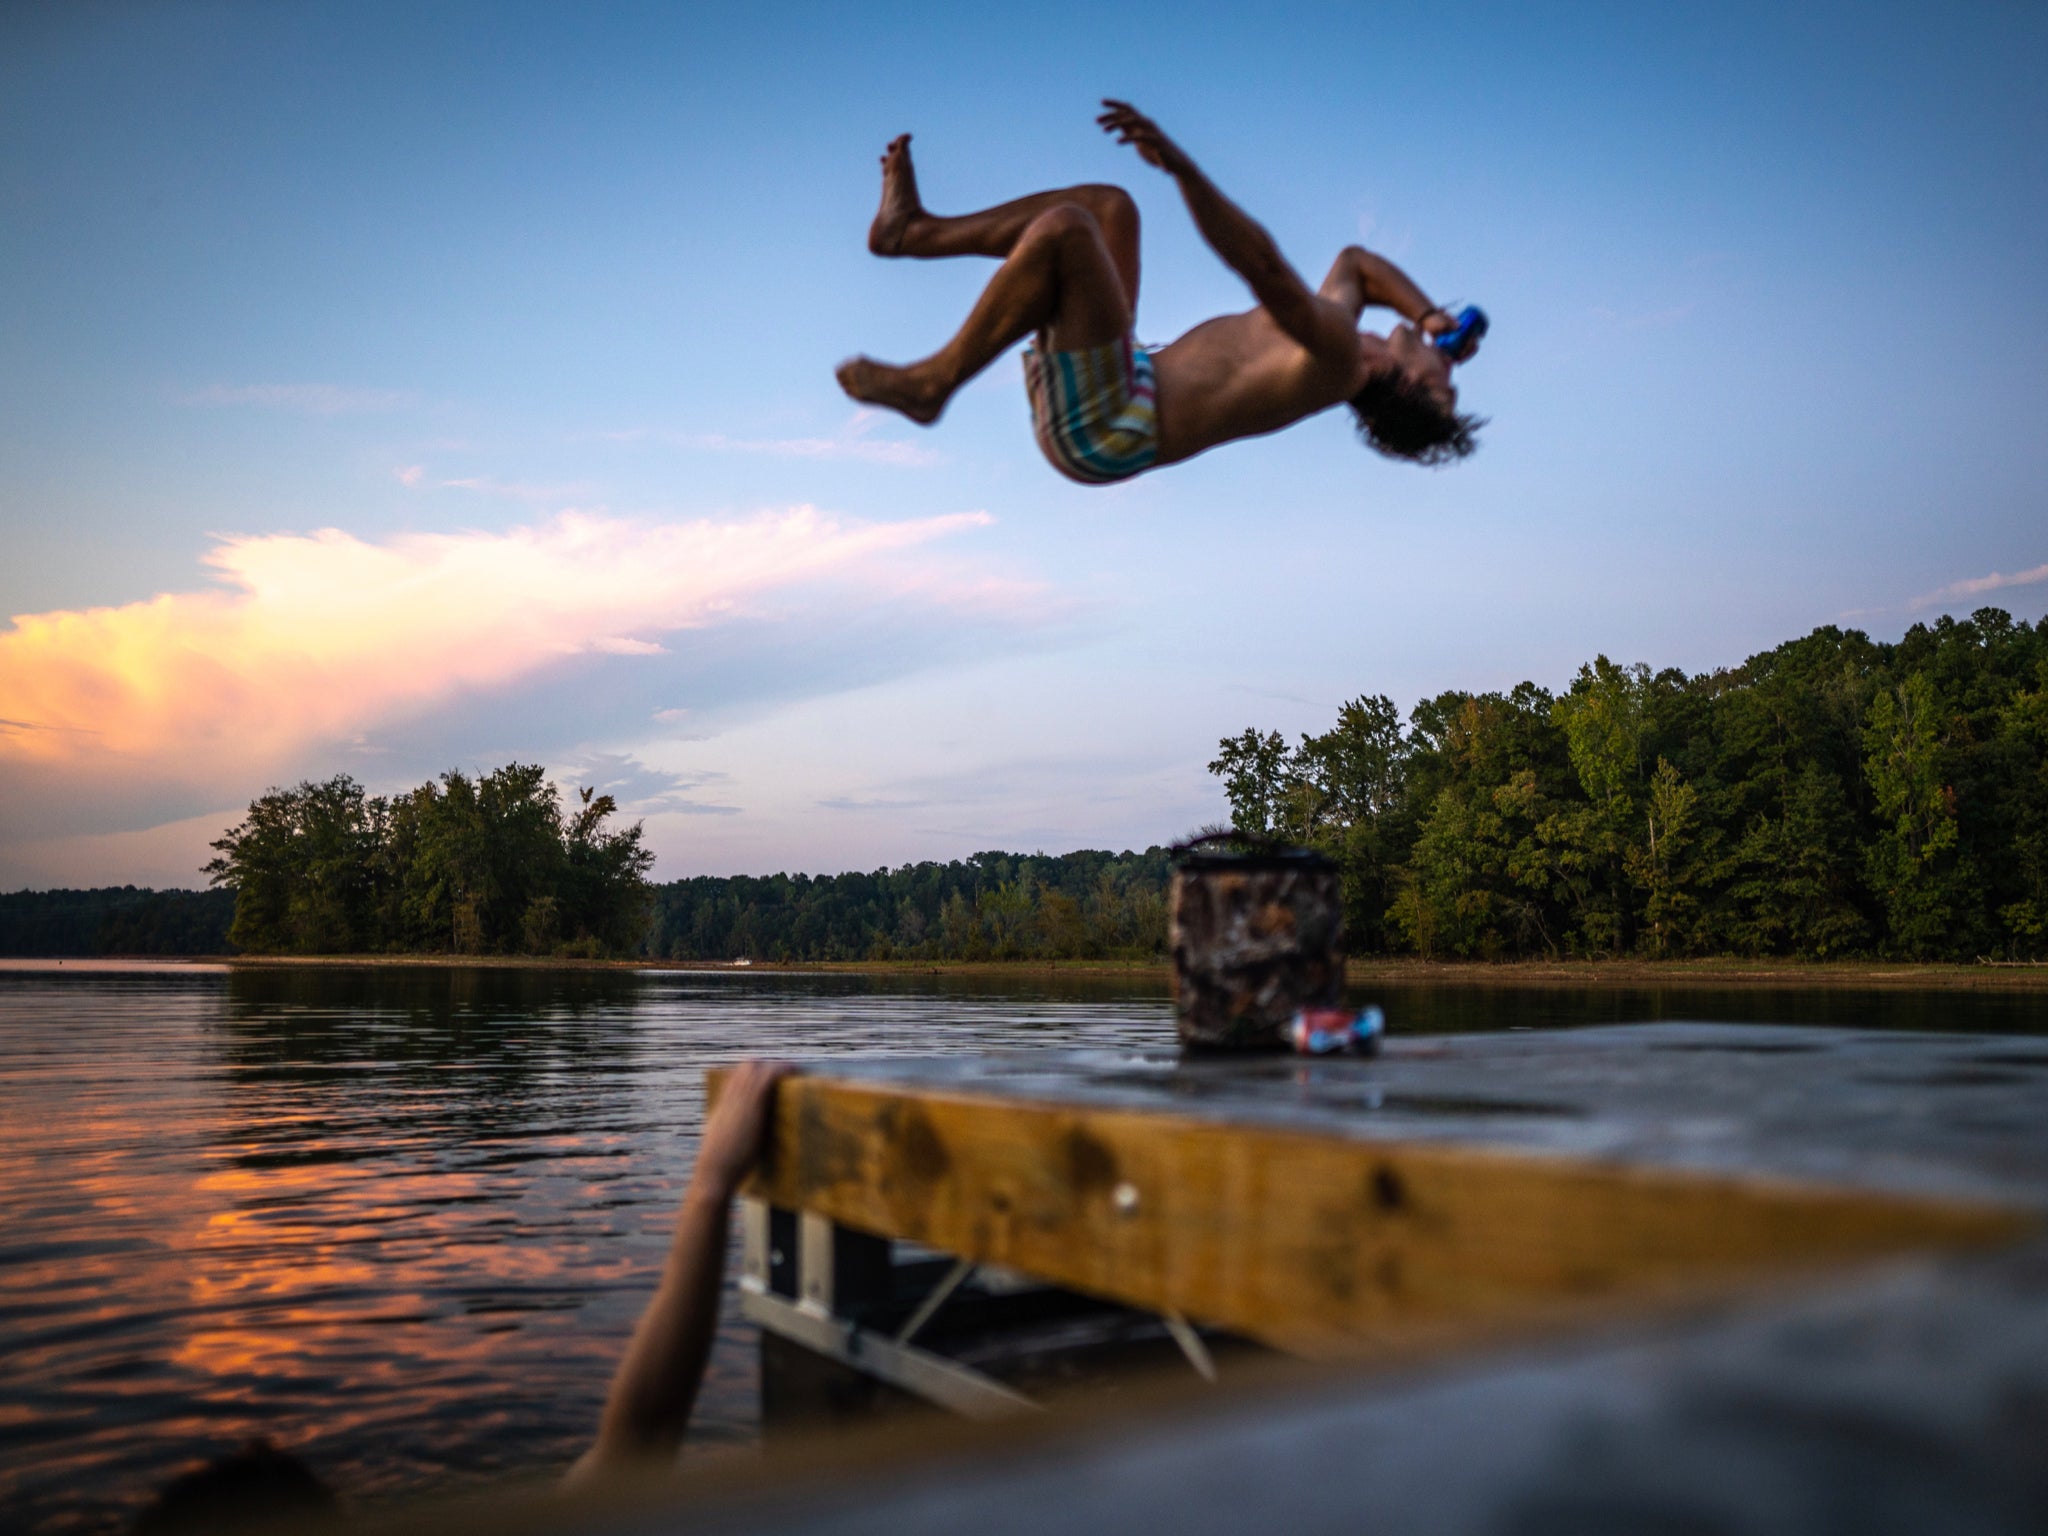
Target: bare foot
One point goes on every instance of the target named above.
(899, 199)
(900, 389)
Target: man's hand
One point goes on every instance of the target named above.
(1435, 322)
(733, 1136)
(1134, 128)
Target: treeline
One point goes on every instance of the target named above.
(1836, 796)
(1088, 905)
(115, 920)
(468, 866)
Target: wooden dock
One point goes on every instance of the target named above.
(1685, 1277)
(1452, 1188)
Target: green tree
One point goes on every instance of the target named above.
(302, 868)
(1902, 745)
(604, 901)
(2022, 744)
(463, 865)
(1605, 720)
(1796, 877)
(1662, 866)
(1005, 915)
(1349, 793)
(1254, 770)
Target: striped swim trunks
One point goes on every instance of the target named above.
(1095, 411)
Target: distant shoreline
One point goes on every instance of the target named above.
(1575, 975)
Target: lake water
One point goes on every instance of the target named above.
(402, 1220)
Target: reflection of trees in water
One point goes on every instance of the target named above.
(1023, 984)
(432, 991)
(477, 1050)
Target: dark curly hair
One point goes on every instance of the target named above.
(1399, 417)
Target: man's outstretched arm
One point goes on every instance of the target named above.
(657, 1381)
(1235, 236)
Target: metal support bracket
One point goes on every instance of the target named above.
(941, 1294)
(1191, 1345)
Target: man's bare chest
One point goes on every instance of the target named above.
(1237, 376)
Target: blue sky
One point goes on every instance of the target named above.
(534, 310)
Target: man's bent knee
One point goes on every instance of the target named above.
(1111, 205)
(1064, 221)
(1094, 300)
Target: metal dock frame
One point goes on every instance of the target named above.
(807, 1279)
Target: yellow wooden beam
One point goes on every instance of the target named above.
(1317, 1244)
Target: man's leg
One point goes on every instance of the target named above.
(1059, 278)
(903, 226)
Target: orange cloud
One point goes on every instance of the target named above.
(323, 636)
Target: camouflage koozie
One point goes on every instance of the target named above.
(1255, 936)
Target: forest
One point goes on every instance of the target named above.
(1088, 905)
(484, 865)
(115, 920)
(1833, 798)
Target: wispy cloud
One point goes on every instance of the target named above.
(1374, 235)
(516, 490)
(1977, 586)
(321, 637)
(310, 399)
(166, 855)
(871, 450)
(8, 727)
(642, 790)
(852, 441)
(414, 477)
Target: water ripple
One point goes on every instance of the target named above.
(400, 1222)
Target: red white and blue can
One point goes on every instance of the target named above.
(1328, 1031)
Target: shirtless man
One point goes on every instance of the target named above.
(1104, 408)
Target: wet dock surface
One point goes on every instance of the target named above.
(1962, 1116)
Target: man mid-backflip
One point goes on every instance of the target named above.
(1103, 407)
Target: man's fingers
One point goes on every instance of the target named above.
(766, 1075)
(751, 1083)
(737, 1130)
(758, 1077)
(1132, 127)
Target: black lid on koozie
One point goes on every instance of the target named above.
(1231, 849)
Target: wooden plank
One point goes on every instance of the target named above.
(1319, 1244)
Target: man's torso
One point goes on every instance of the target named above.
(1240, 376)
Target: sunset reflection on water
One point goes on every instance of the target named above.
(400, 1221)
